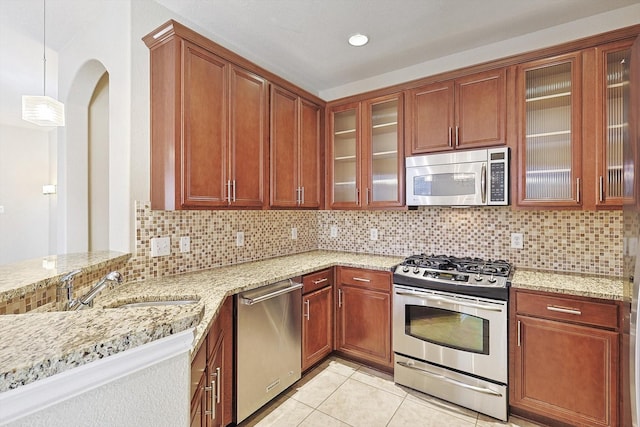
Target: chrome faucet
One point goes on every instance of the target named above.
(87, 299)
(65, 290)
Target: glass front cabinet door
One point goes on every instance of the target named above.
(366, 156)
(549, 151)
(613, 115)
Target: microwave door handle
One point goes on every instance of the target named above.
(483, 183)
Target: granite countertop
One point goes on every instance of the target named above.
(38, 345)
(610, 288)
(23, 277)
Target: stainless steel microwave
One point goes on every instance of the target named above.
(459, 178)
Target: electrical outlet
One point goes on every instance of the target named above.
(333, 231)
(517, 240)
(185, 244)
(373, 234)
(294, 233)
(160, 246)
(240, 238)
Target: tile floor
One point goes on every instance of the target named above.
(342, 393)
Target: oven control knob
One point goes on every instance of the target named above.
(492, 279)
(478, 277)
(405, 268)
(416, 270)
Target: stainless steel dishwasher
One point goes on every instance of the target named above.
(268, 352)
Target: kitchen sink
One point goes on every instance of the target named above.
(155, 302)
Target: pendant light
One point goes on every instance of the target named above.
(43, 110)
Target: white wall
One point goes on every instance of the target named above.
(618, 18)
(106, 42)
(24, 169)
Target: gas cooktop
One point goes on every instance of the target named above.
(469, 276)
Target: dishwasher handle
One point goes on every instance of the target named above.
(258, 299)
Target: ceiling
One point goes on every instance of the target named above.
(304, 41)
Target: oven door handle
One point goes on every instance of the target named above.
(451, 301)
(450, 380)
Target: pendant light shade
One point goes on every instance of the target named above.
(43, 110)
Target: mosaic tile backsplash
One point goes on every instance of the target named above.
(571, 241)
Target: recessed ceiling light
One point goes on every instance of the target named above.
(358, 40)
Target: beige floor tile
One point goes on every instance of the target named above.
(441, 405)
(412, 413)
(378, 379)
(282, 412)
(319, 419)
(360, 404)
(341, 366)
(318, 388)
(485, 421)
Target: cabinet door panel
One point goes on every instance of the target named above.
(284, 148)
(249, 130)
(309, 174)
(568, 372)
(345, 157)
(204, 128)
(481, 109)
(431, 116)
(317, 326)
(365, 324)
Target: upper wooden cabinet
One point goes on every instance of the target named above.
(295, 150)
(549, 100)
(467, 112)
(209, 129)
(365, 158)
(612, 120)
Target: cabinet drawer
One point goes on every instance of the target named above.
(569, 309)
(314, 281)
(370, 279)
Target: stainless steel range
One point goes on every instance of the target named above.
(450, 330)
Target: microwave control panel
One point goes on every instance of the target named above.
(498, 184)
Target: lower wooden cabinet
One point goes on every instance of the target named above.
(317, 317)
(564, 355)
(212, 374)
(363, 316)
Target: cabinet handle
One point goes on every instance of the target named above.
(317, 282)
(360, 279)
(567, 310)
(212, 412)
(601, 188)
(307, 314)
(357, 196)
(302, 198)
(218, 377)
(457, 136)
(450, 136)
(297, 195)
(367, 196)
(339, 298)
(234, 190)
(518, 333)
(229, 191)
(578, 190)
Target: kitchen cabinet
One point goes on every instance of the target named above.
(363, 316)
(209, 128)
(564, 359)
(549, 97)
(212, 373)
(610, 116)
(468, 112)
(295, 150)
(365, 154)
(317, 317)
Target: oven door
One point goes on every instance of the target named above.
(464, 333)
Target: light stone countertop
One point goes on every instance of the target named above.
(37, 345)
(23, 277)
(610, 288)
